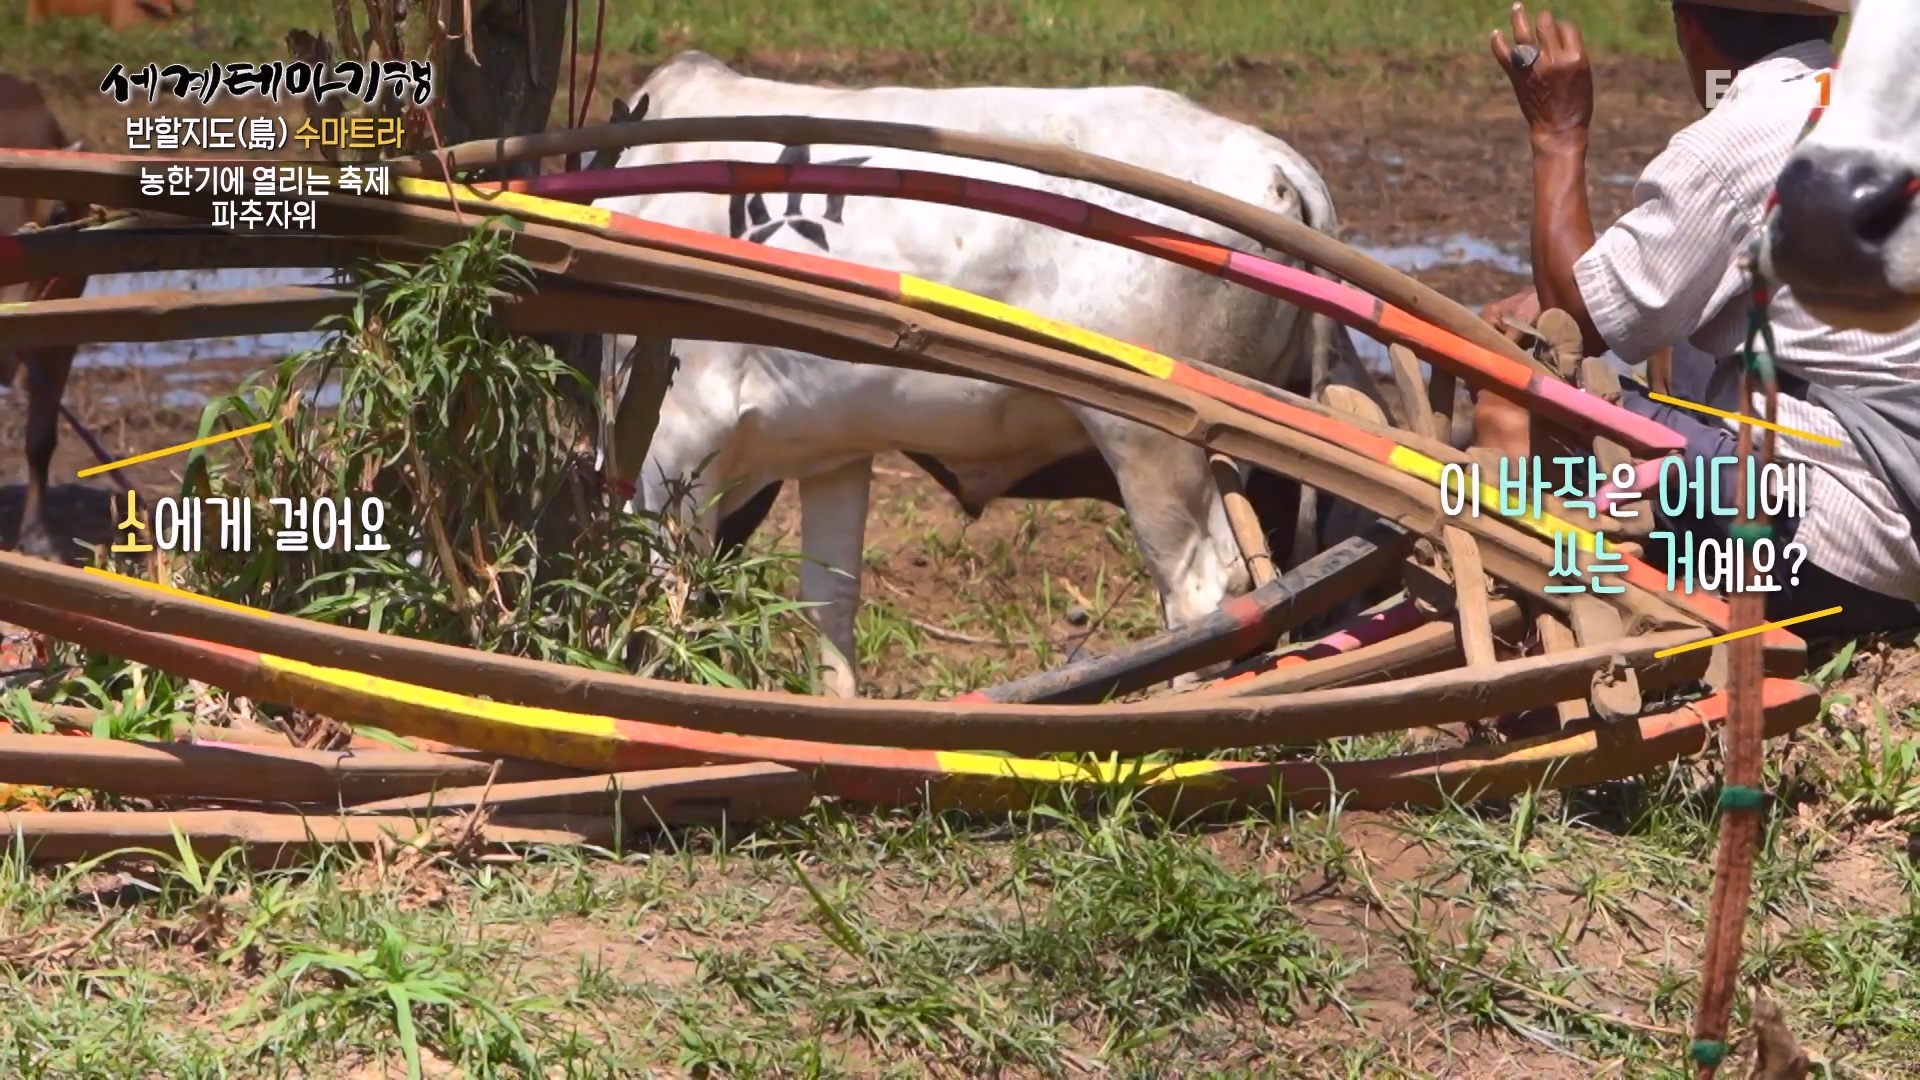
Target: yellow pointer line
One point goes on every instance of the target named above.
(1754, 420)
(170, 590)
(1761, 629)
(194, 445)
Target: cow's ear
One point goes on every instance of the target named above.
(619, 112)
(640, 109)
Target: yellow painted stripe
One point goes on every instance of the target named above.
(477, 709)
(1417, 464)
(171, 591)
(1064, 772)
(534, 731)
(922, 293)
(527, 206)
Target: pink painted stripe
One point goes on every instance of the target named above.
(1657, 438)
(1308, 290)
(1372, 630)
(1646, 480)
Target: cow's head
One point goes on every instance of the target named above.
(607, 159)
(1847, 235)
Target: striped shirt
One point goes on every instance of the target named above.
(1669, 271)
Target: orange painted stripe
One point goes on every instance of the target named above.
(1431, 341)
(1189, 251)
(1373, 446)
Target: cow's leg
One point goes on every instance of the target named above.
(1178, 519)
(833, 537)
(46, 382)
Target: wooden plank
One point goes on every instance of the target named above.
(272, 839)
(1413, 392)
(1354, 403)
(701, 795)
(1432, 647)
(1562, 342)
(1616, 689)
(1470, 597)
(1247, 532)
(1557, 637)
(1443, 393)
(1660, 372)
(1597, 377)
(236, 772)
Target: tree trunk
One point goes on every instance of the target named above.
(521, 46)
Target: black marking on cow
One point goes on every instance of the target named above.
(747, 215)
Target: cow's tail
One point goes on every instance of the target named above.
(1331, 355)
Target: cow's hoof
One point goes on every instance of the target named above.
(837, 677)
(838, 683)
(36, 542)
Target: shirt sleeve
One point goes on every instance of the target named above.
(1671, 262)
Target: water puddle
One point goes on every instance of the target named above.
(1459, 249)
(162, 354)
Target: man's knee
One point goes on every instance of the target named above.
(1500, 425)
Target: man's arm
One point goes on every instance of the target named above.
(1562, 228)
(1554, 85)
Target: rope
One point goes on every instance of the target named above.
(577, 117)
(1742, 798)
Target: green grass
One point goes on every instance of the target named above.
(913, 944)
(1044, 41)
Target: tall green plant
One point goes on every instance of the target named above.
(467, 438)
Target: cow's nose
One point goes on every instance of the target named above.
(1836, 212)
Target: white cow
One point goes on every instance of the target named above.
(1847, 238)
(741, 418)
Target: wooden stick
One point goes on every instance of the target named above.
(1564, 342)
(236, 772)
(1598, 377)
(1241, 517)
(1432, 647)
(1616, 690)
(1556, 637)
(1470, 597)
(1413, 394)
(1443, 392)
(703, 795)
(1354, 403)
(1660, 372)
(273, 839)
